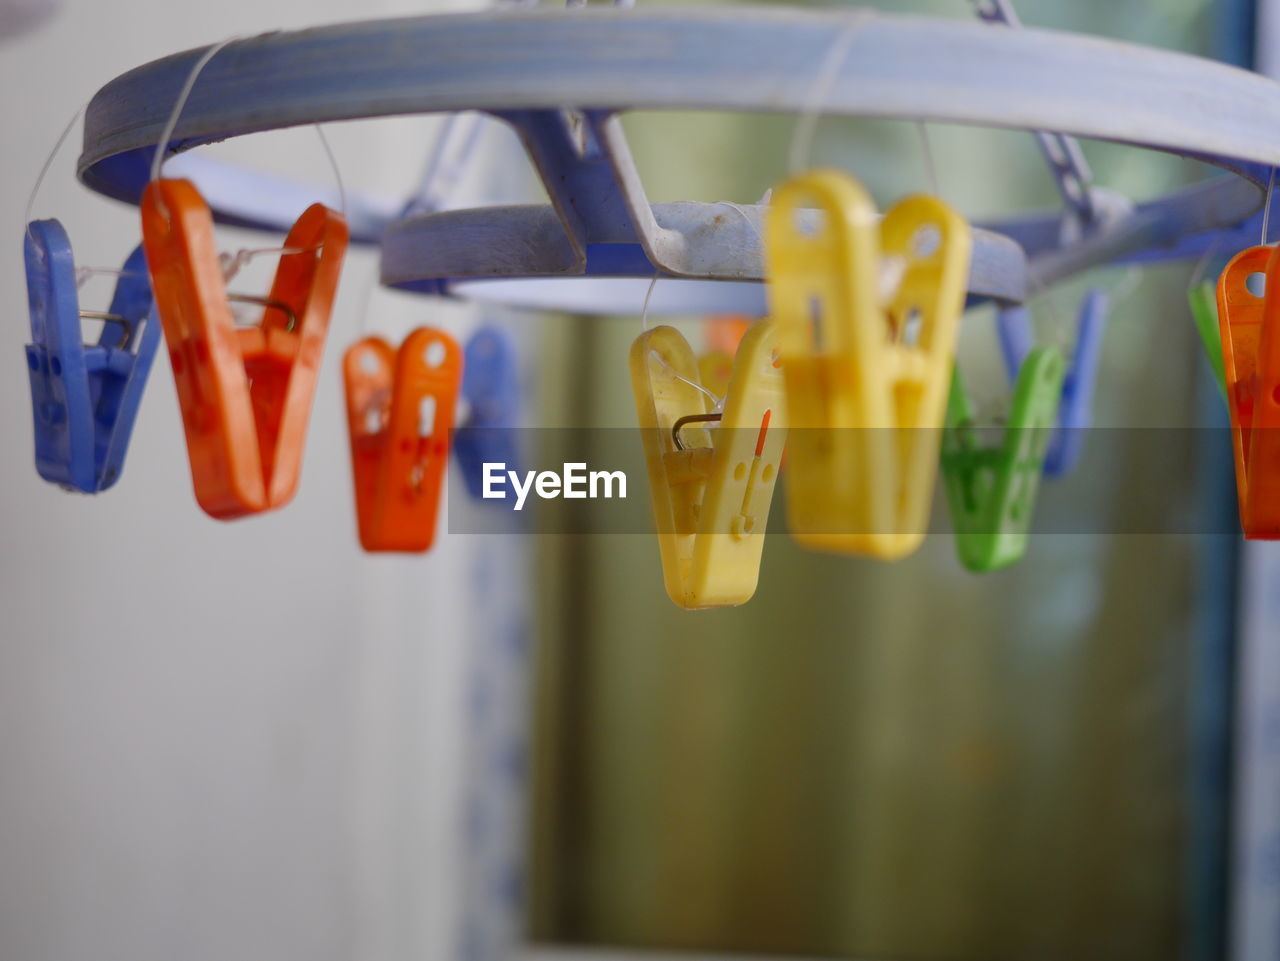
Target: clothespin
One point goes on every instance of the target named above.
(245, 393)
(1204, 312)
(722, 334)
(491, 389)
(1250, 330)
(400, 406)
(867, 364)
(991, 490)
(84, 398)
(1075, 412)
(715, 367)
(711, 489)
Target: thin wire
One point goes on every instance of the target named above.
(930, 168)
(743, 214)
(48, 162)
(1266, 210)
(84, 273)
(1202, 265)
(187, 87)
(337, 174)
(232, 264)
(644, 311)
(644, 327)
(806, 124)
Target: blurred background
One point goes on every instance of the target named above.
(253, 741)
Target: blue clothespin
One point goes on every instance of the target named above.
(491, 389)
(84, 398)
(1075, 413)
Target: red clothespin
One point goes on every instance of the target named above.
(1250, 328)
(400, 406)
(245, 393)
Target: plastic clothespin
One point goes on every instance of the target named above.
(491, 388)
(715, 367)
(1075, 412)
(723, 334)
(245, 393)
(84, 398)
(1250, 331)
(400, 406)
(1204, 311)
(711, 489)
(991, 490)
(867, 370)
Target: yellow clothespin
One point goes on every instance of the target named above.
(867, 319)
(711, 488)
(714, 369)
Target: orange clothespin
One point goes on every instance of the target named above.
(1250, 329)
(400, 407)
(245, 393)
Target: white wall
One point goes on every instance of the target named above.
(217, 741)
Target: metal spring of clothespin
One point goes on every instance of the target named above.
(84, 398)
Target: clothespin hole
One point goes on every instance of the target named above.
(911, 328)
(739, 470)
(372, 420)
(369, 363)
(926, 241)
(766, 475)
(434, 354)
(815, 323)
(427, 414)
(1256, 284)
(55, 366)
(809, 223)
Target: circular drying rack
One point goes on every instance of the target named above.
(562, 77)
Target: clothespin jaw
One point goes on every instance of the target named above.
(245, 393)
(1202, 299)
(866, 369)
(491, 388)
(400, 408)
(84, 397)
(1075, 412)
(1250, 331)
(711, 489)
(991, 489)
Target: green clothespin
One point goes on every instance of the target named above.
(992, 490)
(1203, 298)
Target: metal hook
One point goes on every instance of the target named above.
(690, 419)
(124, 322)
(270, 304)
